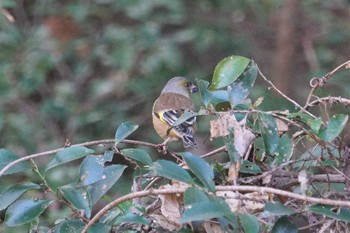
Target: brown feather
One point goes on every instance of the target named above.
(177, 102)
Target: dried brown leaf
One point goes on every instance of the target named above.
(245, 203)
(171, 206)
(212, 227)
(227, 123)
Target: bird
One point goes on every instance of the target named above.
(174, 101)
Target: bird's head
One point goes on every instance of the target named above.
(180, 85)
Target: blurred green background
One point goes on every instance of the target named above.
(77, 69)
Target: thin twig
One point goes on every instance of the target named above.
(320, 82)
(91, 143)
(329, 99)
(218, 188)
(283, 95)
(345, 64)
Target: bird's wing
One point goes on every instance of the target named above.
(184, 130)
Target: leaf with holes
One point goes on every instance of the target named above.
(25, 210)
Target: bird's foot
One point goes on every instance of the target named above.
(162, 147)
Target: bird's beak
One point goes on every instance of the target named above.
(193, 88)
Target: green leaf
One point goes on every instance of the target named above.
(7, 157)
(68, 154)
(339, 213)
(231, 149)
(132, 218)
(249, 223)
(138, 155)
(315, 124)
(211, 207)
(194, 195)
(201, 169)
(99, 228)
(111, 174)
(283, 225)
(334, 127)
(249, 168)
(14, 192)
(91, 169)
(228, 70)
(185, 116)
(25, 210)
(124, 130)
(278, 209)
(78, 196)
(171, 170)
(238, 91)
(284, 150)
(211, 97)
(69, 225)
(269, 132)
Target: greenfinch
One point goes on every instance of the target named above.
(173, 101)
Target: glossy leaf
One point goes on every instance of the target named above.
(69, 225)
(334, 127)
(78, 196)
(111, 174)
(194, 195)
(239, 90)
(91, 169)
(249, 223)
(185, 116)
(277, 208)
(201, 169)
(228, 70)
(284, 150)
(315, 124)
(138, 155)
(211, 97)
(14, 192)
(171, 170)
(7, 157)
(132, 218)
(283, 225)
(25, 210)
(99, 228)
(68, 154)
(207, 208)
(269, 132)
(124, 130)
(339, 213)
(249, 168)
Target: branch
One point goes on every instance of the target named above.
(283, 95)
(218, 188)
(320, 82)
(329, 99)
(51, 152)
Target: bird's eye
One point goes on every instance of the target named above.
(188, 84)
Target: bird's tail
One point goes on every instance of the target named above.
(188, 141)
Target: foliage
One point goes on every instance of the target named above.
(296, 154)
(71, 71)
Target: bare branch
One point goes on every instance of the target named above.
(92, 143)
(218, 188)
(329, 99)
(283, 95)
